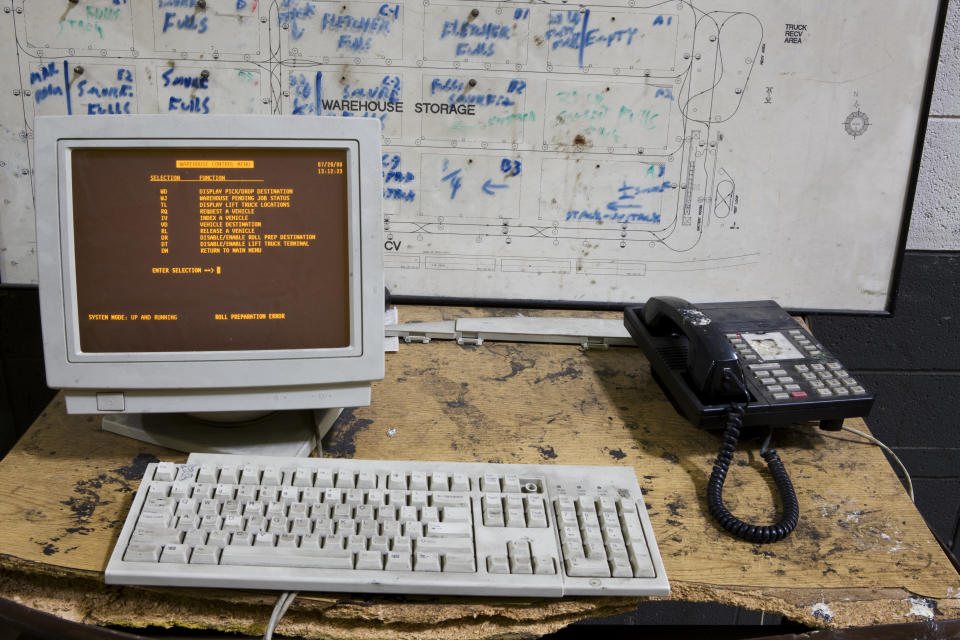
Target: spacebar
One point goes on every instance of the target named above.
(260, 557)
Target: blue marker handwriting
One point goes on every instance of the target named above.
(453, 177)
(188, 22)
(456, 91)
(187, 81)
(189, 102)
(375, 100)
(570, 30)
(509, 168)
(627, 207)
(44, 77)
(396, 181)
(475, 38)
(356, 33)
(114, 96)
(599, 216)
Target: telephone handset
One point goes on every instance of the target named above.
(729, 365)
(712, 365)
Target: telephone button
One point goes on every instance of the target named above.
(762, 374)
(834, 365)
(842, 391)
(858, 390)
(779, 372)
(809, 376)
(817, 367)
(792, 387)
(798, 394)
(750, 358)
(781, 396)
(785, 379)
(850, 382)
(769, 381)
(775, 387)
(825, 392)
(814, 352)
(765, 365)
(801, 368)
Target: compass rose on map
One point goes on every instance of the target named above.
(857, 122)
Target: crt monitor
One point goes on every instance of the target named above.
(209, 264)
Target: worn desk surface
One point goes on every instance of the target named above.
(860, 555)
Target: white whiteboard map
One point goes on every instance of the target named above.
(721, 149)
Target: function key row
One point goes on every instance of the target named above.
(255, 475)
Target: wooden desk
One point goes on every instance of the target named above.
(860, 555)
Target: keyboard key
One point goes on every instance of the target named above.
(177, 553)
(426, 562)
(544, 565)
(458, 563)
(490, 482)
(254, 557)
(498, 564)
(460, 482)
(439, 481)
(449, 530)
(455, 514)
(204, 554)
(399, 562)
(372, 560)
(142, 552)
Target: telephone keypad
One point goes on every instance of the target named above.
(822, 378)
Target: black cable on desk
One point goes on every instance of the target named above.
(733, 524)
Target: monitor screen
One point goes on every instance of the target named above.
(210, 250)
(223, 263)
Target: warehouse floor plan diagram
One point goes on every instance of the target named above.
(596, 152)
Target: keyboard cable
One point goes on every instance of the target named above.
(283, 603)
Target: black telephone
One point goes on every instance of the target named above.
(735, 364)
(708, 355)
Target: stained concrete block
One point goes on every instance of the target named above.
(935, 222)
(946, 92)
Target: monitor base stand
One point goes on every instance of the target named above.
(281, 433)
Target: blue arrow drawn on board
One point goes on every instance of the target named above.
(616, 206)
(488, 187)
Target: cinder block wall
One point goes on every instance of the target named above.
(912, 361)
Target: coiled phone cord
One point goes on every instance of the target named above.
(736, 526)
